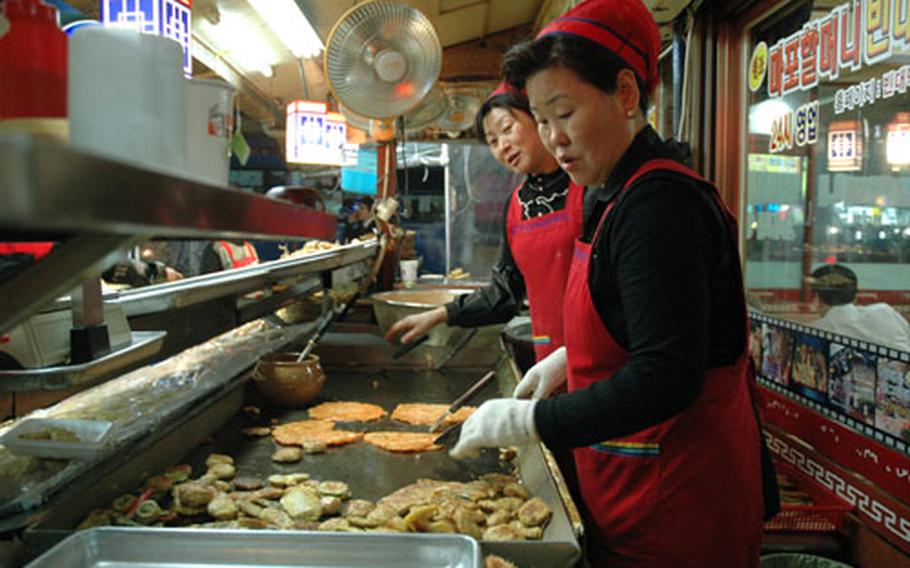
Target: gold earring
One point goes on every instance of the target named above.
(630, 113)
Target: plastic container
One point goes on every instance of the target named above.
(127, 97)
(33, 62)
(90, 445)
(209, 126)
(799, 561)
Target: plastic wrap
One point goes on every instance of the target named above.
(137, 403)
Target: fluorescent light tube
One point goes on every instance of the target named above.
(290, 25)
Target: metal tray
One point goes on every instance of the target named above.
(89, 446)
(143, 345)
(153, 548)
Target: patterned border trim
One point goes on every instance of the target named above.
(895, 525)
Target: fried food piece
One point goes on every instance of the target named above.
(418, 519)
(499, 517)
(222, 508)
(516, 490)
(313, 431)
(256, 431)
(347, 412)
(302, 503)
(218, 458)
(222, 470)
(503, 532)
(330, 504)
(147, 512)
(179, 473)
(534, 513)
(493, 561)
(423, 414)
(97, 518)
(358, 508)
(338, 489)
(278, 518)
(247, 483)
(403, 442)
(287, 455)
(288, 480)
(194, 495)
(314, 446)
(338, 524)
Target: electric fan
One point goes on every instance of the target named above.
(382, 58)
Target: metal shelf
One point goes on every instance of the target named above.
(183, 293)
(48, 188)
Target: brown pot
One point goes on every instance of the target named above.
(283, 381)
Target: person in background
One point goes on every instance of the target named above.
(542, 220)
(18, 256)
(358, 220)
(138, 273)
(225, 255)
(659, 408)
(835, 290)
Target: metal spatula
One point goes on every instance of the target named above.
(463, 399)
(324, 324)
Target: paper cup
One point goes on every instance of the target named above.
(209, 127)
(409, 272)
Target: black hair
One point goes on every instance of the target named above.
(835, 284)
(592, 62)
(508, 101)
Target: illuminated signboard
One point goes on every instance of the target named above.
(168, 18)
(314, 136)
(897, 147)
(845, 146)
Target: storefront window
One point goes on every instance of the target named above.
(828, 159)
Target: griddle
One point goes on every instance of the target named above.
(370, 472)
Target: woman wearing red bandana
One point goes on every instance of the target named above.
(659, 409)
(543, 219)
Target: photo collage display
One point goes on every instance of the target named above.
(865, 384)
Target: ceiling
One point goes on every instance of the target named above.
(474, 35)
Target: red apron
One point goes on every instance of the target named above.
(542, 249)
(246, 260)
(686, 492)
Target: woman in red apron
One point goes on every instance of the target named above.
(543, 219)
(659, 409)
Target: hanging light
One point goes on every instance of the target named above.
(897, 146)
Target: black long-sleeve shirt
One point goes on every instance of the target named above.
(500, 301)
(667, 284)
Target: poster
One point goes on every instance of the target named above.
(755, 331)
(851, 388)
(775, 350)
(892, 413)
(809, 366)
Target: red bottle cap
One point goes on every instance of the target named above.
(30, 10)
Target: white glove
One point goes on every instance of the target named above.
(544, 377)
(498, 422)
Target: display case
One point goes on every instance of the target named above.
(93, 207)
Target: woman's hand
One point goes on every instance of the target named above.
(412, 327)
